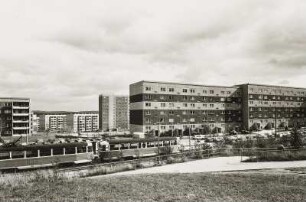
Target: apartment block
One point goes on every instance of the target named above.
(168, 107)
(113, 112)
(15, 116)
(85, 122)
(269, 106)
(179, 107)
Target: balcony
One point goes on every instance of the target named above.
(20, 121)
(20, 128)
(20, 107)
(20, 114)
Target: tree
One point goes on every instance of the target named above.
(268, 126)
(206, 129)
(296, 138)
(254, 127)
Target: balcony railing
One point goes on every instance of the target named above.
(20, 114)
(20, 107)
(20, 121)
(20, 128)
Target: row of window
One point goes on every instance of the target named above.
(192, 105)
(184, 112)
(278, 115)
(280, 91)
(191, 90)
(192, 120)
(273, 97)
(278, 109)
(193, 98)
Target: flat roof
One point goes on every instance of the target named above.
(189, 84)
(14, 98)
(269, 85)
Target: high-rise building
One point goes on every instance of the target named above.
(113, 112)
(177, 107)
(15, 116)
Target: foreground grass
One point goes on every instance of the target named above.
(162, 187)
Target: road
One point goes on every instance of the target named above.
(212, 165)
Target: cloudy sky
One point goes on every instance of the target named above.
(63, 54)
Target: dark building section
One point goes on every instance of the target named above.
(14, 116)
(267, 106)
(104, 112)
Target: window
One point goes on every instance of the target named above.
(185, 104)
(192, 98)
(192, 105)
(148, 104)
(185, 98)
(250, 96)
(170, 97)
(192, 90)
(211, 105)
(163, 89)
(228, 92)
(148, 120)
(222, 92)
(147, 112)
(171, 112)
(148, 97)
(148, 88)
(171, 89)
(162, 97)
(205, 91)
(162, 113)
(211, 91)
(163, 104)
(171, 104)
(191, 112)
(184, 90)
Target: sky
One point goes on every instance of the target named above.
(64, 53)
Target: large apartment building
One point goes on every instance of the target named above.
(14, 116)
(164, 106)
(174, 106)
(113, 112)
(278, 106)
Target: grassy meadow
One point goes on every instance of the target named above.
(243, 186)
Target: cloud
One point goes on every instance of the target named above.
(63, 54)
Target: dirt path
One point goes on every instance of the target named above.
(212, 165)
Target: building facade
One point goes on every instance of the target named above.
(113, 112)
(266, 106)
(85, 122)
(15, 116)
(176, 107)
(67, 122)
(179, 107)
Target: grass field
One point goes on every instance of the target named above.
(242, 186)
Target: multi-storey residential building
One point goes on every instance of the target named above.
(53, 121)
(164, 106)
(14, 116)
(179, 107)
(113, 112)
(85, 122)
(269, 106)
